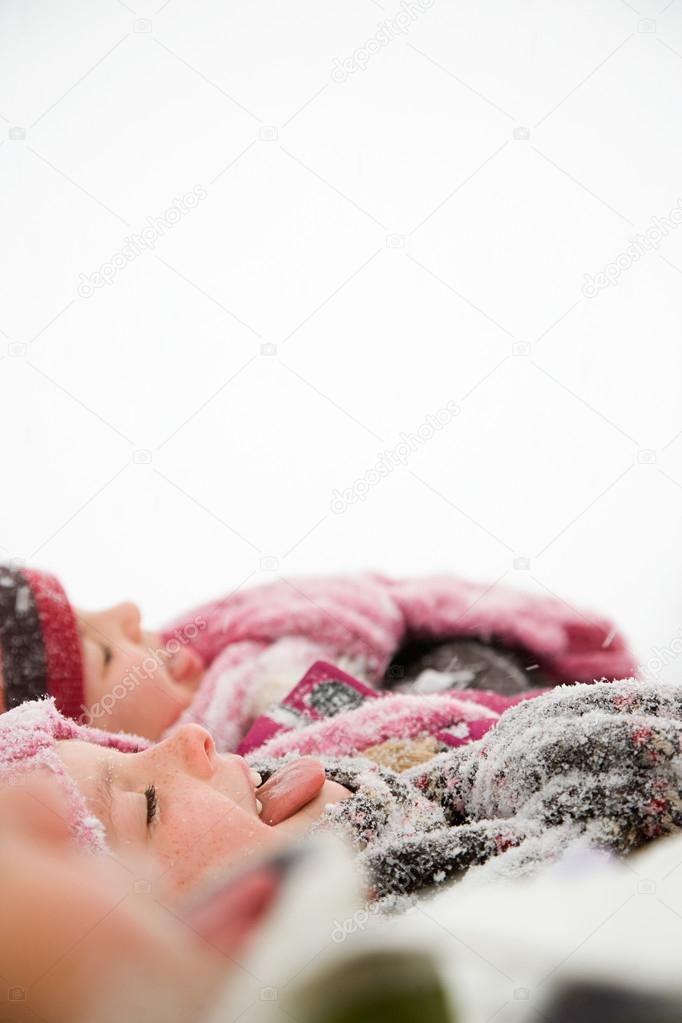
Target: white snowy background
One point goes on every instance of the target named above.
(385, 229)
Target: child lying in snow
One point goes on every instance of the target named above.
(226, 662)
(599, 764)
(140, 962)
(193, 811)
(86, 659)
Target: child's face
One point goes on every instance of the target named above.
(131, 682)
(81, 942)
(196, 812)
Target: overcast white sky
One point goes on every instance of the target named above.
(384, 209)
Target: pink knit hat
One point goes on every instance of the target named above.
(28, 737)
(40, 650)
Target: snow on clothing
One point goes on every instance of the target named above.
(598, 764)
(330, 713)
(28, 738)
(259, 642)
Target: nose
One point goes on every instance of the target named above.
(130, 621)
(193, 748)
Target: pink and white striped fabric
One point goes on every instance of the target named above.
(259, 642)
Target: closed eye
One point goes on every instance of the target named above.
(152, 804)
(107, 654)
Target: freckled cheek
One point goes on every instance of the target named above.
(192, 848)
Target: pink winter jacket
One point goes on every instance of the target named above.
(258, 643)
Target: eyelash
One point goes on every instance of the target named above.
(152, 803)
(106, 651)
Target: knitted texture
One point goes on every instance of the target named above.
(599, 765)
(39, 642)
(28, 738)
(594, 765)
(260, 641)
(389, 717)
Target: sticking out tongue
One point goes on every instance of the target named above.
(290, 789)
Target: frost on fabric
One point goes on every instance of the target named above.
(258, 642)
(376, 721)
(593, 765)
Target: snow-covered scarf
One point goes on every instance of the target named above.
(259, 642)
(599, 764)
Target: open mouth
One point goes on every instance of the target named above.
(257, 782)
(288, 790)
(254, 780)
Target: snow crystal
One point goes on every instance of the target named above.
(583, 767)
